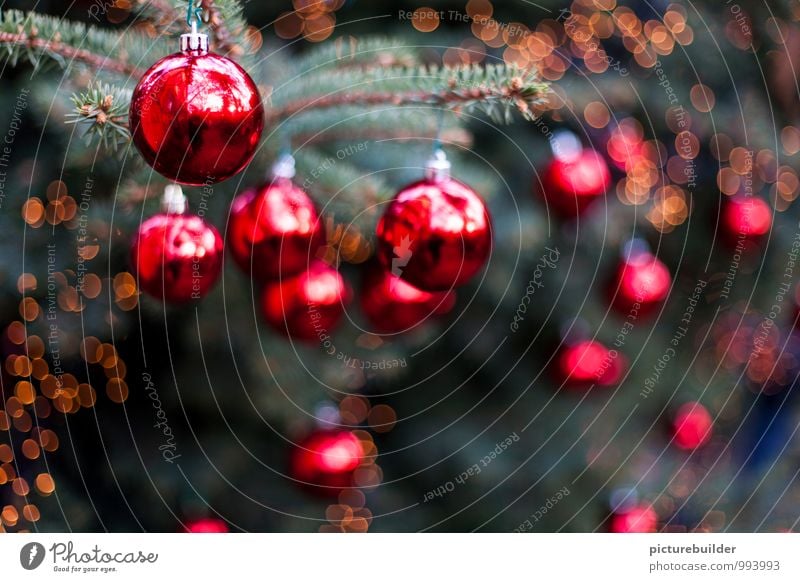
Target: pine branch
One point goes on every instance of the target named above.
(351, 52)
(102, 112)
(162, 14)
(354, 123)
(494, 89)
(40, 37)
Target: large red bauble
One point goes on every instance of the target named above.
(638, 519)
(570, 184)
(588, 362)
(393, 306)
(196, 117)
(307, 306)
(745, 217)
(691, 426)
(207, 525)
(435, 234)
(641, 285)
(274, 230)
(177, 257)
(326, 460)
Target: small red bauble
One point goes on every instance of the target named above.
(641, 285)
(571, 183)
(307, 306)
(196, 117)
(435, 233)
(638, 519)
(177, 257)
(274, 230)
(393, 306)
(207, 525)
(745, 217)
(691, 427)
(326, 460)
(589, 362)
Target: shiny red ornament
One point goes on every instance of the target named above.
(589, 362)
(641, 285)
(196, 117)
(274, 230)
(207, 525)
(745, 217)
(326, 460)
(393, 306)
(177, 257)
(308, 306)
(571, 183)
(692, 426)
(436, 233)
(638, 519)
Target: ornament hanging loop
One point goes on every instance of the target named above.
(194, 15)
(194, 41)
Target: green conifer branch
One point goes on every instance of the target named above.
(356, 123)
(494, 90)
(350, 52)
(40, 38)
(102, 112)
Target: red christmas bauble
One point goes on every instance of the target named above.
(196, 117)
(691, 426)
(326, 460)
(638, 519)
(177, 257)
(571, 183)
(207, 525)
(435, 234)
(393, 306)
(588, 362)
(307, 306)
(745, 217)
(641, 285)
(274, 230)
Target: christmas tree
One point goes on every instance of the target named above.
(332, 266)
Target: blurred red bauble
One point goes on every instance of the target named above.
(691, 427)
(588, 362)
(435, 233)
(308, 306)
(177, 257)
(326, 460)
(639, 519)
(571, 183)
(274, 231)
(207, 525)
(196, 117)
(394, 306)
(641, 285)
(745, 217)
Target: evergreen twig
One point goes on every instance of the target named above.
(494, 89)
(102, 112)
(37, 36)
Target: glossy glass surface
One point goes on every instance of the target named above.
(196, 118)
(274, 231)
(308, 306)
(177, 257)
(435, 235)
(393, 306)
